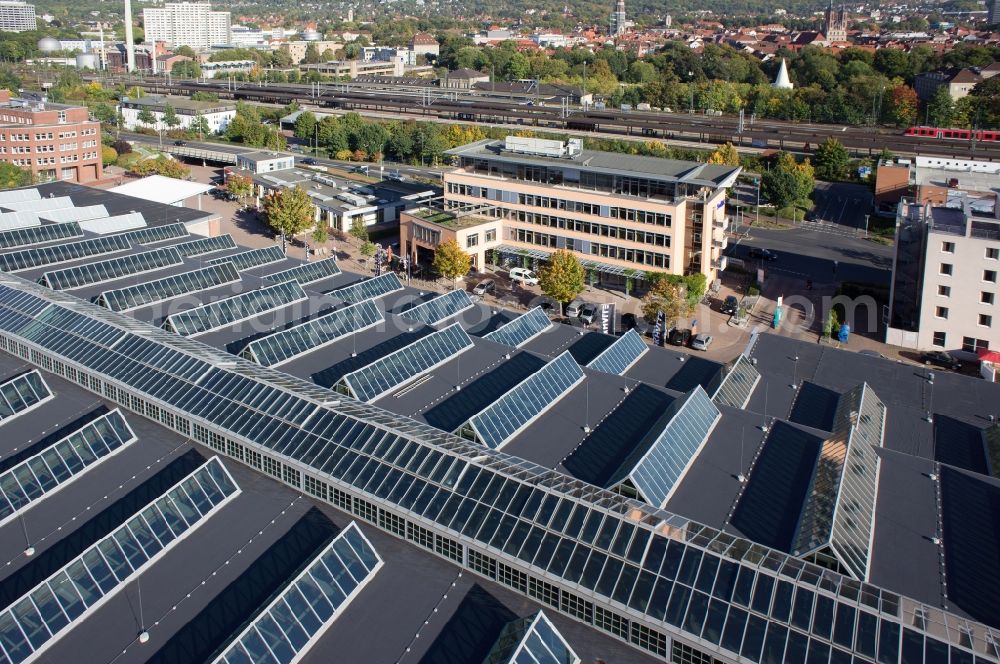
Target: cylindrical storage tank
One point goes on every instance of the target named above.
(86, 61)
(48, 44)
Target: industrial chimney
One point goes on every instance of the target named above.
(129, 39)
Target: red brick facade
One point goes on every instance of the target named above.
(53, 141)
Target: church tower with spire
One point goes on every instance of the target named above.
(616, 26)
(835, 25)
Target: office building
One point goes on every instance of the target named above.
(266, 450)
(945, 286)
(622, 215)
(217, 114)
(53, 141)
(17, 16)
(191, 24)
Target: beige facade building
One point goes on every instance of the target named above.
(622, 215)
(53, 141)
(945, 287)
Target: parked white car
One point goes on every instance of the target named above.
(524, 276)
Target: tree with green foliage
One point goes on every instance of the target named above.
(204, 96)
(11, 176)
(289, 211)
(450, 260)
(108, 155)
(940, 108)
(240, 186)
(321, 233)
(788, 182)
(145, 117)
(199, 125)
(161, 165)
(312, 56)
(185, 50)
(170, 117)
(367, 249)
(562, 277)
(305, 125)
(832, 160)
(186, 69)
(668, 297)
(358, 229)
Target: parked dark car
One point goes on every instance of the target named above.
(941, 359)
(679, 337)
(178, 142)
(763, 254)
(730, 305)
(308, 161)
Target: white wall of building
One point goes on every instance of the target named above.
(191, 24)
(217, 122)
(17, 17)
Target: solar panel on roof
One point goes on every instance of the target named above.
(252, 258)
(286, 344)
(406, 364)
(140, 295)
(667, 453)
(505, 418)
(116, 224)
(208, 245)
(19, 195)
(234, 309)
(522, 329)
(40, 205)
(288, 626)
(24, 237)
(369, 288)
(111, 269)
(26, 259)
(21, 393)
(32, 623)
(57, 465)
(13, 220)
(154, 234)
(75, 213)
(439, 308)
(619, 356)
(307, 272)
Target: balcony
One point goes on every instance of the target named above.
(721, 223)
(721, 244)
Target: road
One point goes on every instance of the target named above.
(821, 256)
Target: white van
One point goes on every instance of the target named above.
(524, 276)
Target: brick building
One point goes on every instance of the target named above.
(53, 141)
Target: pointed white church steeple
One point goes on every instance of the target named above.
(781, 81)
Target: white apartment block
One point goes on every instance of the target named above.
(946, 272)
(191, 24)
(17, 16)
(217, 114)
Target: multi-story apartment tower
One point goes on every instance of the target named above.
(191, 24)
(17, 16)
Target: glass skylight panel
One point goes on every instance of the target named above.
(531, 640)
(286, 344)
(622, 354)
(670, 453)
(234, 309)
(112, 269)
(307, 272)
(526, 402)
(13, 220)
(23, 237)
(252, 258)
(140, 295)
(738, 384)
(40, 205)
(208, 245)
(30, 625)
(116, 224)
(154, 234)
(76, 213)
(439, 308)
(59, 317)
(26, 259)
(22, 393)
(43, 473)
(406, 364)
(287, 628)
(522, 329)
(14, 195)
(18, 308)
(369, 289)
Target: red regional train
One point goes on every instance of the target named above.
(989, 135)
